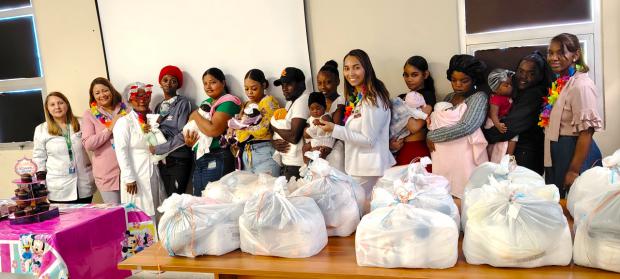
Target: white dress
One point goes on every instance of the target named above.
(137, 165)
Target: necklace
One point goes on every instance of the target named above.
(554, 94)
(106, 121)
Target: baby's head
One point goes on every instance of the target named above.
(317, 104)
(414, 100)
(500, 81)
(251, 110)
(441, 106)
(205, 107)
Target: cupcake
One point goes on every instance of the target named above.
(26, 178)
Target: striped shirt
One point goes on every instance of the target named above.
(472, 119)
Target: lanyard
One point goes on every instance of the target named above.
(67, 137)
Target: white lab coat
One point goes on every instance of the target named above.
(51, 154)
(137, 165)
(366, 141)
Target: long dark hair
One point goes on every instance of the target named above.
(571, 43)
(421, 64)
(376, 88)
(116, 96)
(217, 74)
(258, 76)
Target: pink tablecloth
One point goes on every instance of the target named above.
(85, 242)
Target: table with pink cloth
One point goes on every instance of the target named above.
(85, 241)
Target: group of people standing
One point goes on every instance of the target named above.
(552, 111)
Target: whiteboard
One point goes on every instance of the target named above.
(142, 36)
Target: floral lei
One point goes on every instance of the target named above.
(353, 103)
(554, 94)
(142, 120)
(104, 119)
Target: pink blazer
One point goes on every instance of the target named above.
(98, 139)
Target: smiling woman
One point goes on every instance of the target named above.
(366, 123)
(106, 107)
(59, 154)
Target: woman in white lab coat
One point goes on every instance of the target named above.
(140, 180)
(59, 154)
(367, 121)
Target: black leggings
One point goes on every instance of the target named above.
(175, 174)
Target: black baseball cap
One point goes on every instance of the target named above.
(290, 74)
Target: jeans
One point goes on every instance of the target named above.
(562, 153)
(261, 154)
(175, 174)
(211, 167)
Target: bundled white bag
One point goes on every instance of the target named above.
(405, 236)
(592, 185)
(238, 186)
(508, 227)
(597, 240)
(435, 198)
(415, 172)
(274, 225)
(192, 226)
(507, 169)
(334, 192)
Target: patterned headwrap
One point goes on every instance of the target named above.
(498, 76)
(136, 86)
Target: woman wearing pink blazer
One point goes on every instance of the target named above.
(106, 106)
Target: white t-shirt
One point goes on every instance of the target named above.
(335, 103)
(297, 109)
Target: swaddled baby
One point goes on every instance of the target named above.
(201, 147)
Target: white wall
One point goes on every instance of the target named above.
(234, 36)
(609, 140)
(389, 31)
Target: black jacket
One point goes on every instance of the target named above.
(522, 120)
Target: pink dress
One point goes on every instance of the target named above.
(456, 159)
(497, 150)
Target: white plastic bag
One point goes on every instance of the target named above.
(415, 172)
(334, 193)
(192, 226)
(435, 198)
(507, 169)
(405, 236)
(597, 240)
(508, 227)
(238, 186)
(591, 185)
(273, 225)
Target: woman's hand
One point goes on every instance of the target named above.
(132, 188)
(152, 149)
(146, 128)
(396, 144)
(431, 145)
(116, 118)
(191, 137)
(280, 145)
(326, 126)
(569, 178)
(427, 109)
